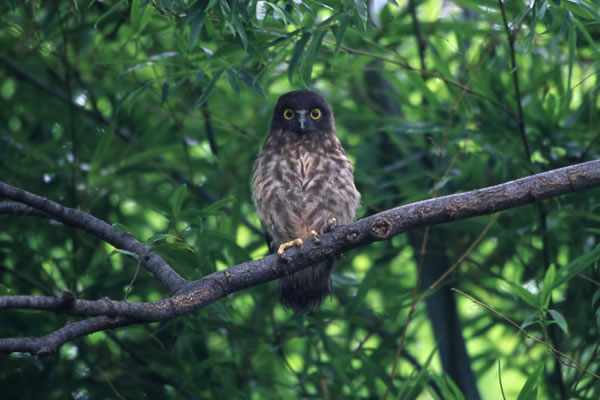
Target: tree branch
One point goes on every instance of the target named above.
(12, 207)
(79, 219)
(194, 295)
(44, 346)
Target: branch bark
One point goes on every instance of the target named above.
(82, 220)
(193, 295)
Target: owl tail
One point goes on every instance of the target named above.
(306, 289)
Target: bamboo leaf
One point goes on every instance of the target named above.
(233, 80)
(361, 11)
(250, 82)
(177, 200)
(341, 32)
(310, 56)
(298, 48)
(208, 89)
(560, 320)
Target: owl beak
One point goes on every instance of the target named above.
(302, 120)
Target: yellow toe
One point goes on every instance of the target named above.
(287, 245)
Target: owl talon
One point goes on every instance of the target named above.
(331, 225)
(315, 236)
(287, 245)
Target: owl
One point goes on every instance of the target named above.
(303, 187)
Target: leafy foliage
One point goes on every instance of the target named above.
(149, 114)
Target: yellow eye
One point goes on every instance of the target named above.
(315, 113)
(288, 114)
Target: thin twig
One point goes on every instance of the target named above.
(428, 74)
(515, 76)
(524, 332)
(574, 387)
(500, 380)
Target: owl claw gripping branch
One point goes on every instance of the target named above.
(303, 187)
(287, 245)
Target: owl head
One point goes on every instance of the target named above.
(302, 112)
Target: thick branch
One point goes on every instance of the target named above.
(212, 287)
(44, 346)
(385, 225)
(99, 228)
(11, 207)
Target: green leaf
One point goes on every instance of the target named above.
(172, 246)
(128, 253)
(140, 15)
(135, 14)
(4, 291)
(310, 56)
(341, 32)
(177, 200)
(577, 266)
(455, 390)
(524, 295)
(289, 17)
(366, 284)
(206, 91)
(195, 29)
(595, 297)
(240, 30)
(100, 152)
(529, 390)
(306, 6)
(250, 82)
(582, 9)
(587, 36)
(164, 94)
(233, 80)
(530, 320)
(560, 320)
(284, 15)
(483, 6)
(162, 236)
(209, 362)
(132, 94)
(217, 205)
(361, 11)
(144, 157)
(548, 286)
(298, 48)
(572, 49)
(108, 13)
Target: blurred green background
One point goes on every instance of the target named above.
(111, 106)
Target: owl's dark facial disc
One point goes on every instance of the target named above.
(302, 112)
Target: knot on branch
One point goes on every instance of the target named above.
(352, 236)
(533, 194)
(67, 299)
(451, 210)
(382, 228)
(575, 176)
